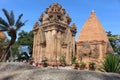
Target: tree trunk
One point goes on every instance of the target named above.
(7, 53)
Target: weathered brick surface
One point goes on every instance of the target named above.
(92, 30)
(54, 38)
(2, 35)
(92, 43)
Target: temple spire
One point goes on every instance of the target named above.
(92, 30)
(92, 13)
(55, 13)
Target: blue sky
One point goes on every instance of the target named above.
(107, 11)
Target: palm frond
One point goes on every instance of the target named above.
(18, 20)
(7, 16)
(3, 22)
(3, 28)
(12, 18)
(20, 24)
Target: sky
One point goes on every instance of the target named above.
(107, 11)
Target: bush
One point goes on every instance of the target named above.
(22, 56)
(62, 60)
(44, 62)
(82, 65)
(111, 63)
(73, 60)
(91, 66)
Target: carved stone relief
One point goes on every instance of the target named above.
(55, 13)
(88, 50)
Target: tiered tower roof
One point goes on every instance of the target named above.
(54, 13)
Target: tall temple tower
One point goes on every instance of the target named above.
(54, 37)
(92, 44)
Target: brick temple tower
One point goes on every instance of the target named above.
(2, 37)
(54, 37)
(92, 44)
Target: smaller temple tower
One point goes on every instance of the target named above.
(2, 43)
(92, 44)
(54, 38)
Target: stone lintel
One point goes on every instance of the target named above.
(64, 45)
(54, 23)
(57, 26)
(35, 29)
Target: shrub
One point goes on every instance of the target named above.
(73, 60)
(44, 62)
(91, 66)
(62, 60)
(111, 63)
(82, 65)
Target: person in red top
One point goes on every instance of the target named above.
(36, 64)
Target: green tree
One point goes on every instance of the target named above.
(25, 38)
(114, 41)
(11, 26)
(15, 50)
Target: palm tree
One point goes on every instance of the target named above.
(11, 27)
